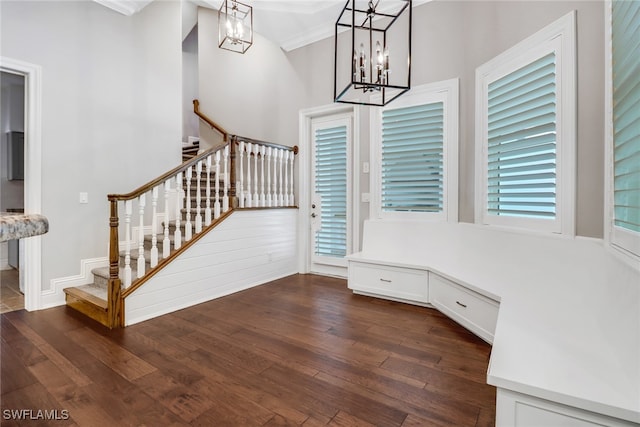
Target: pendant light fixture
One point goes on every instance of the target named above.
(235, 26)
(372, 64)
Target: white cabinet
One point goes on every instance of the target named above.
(391, 282)
(472, 310)
(520, 410)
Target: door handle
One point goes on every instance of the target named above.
(313, 206)
(313, 215)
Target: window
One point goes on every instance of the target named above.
(416, 163)
(623, 153)
(525, 134)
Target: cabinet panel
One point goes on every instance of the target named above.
(472, 310)
(403, 283)
(520, 410)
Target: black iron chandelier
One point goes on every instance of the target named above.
(372, 64)
(235, 26)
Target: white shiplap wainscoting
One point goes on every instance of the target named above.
(247, 249)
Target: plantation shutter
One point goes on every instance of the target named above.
(331, 186)
(521, 168)
(412, 158)
(626, 113)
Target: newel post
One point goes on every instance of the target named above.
(232, 172)
(114, 303)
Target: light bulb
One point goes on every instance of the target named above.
(379, 54)
(229, 28)
(239, 29)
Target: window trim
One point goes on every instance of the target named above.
(625, 243)
(558, 37)
(443, 91)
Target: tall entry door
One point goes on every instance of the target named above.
(331, 139)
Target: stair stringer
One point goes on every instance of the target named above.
(249, 248)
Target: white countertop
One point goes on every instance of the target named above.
(568, 328)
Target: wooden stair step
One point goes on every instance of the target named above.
(90, 301)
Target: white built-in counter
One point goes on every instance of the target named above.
(566, 341)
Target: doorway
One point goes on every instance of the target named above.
(328, 141)
(11, 184)
(30, 250)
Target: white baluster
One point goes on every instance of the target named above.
(292, 201)
(240, 183)
(225, 199)
(256, 197)
(141, 265)
(177, 235)
(249, 149)
(216, 205)
(128, 210)
(280, 192)
(275, 177)
(154, 226)
(286, 178)
(198, 197)
(269, 149)
(263, 197)
(166, 243)
(207, 211)
(187, 225)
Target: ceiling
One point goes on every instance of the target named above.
(288, 23)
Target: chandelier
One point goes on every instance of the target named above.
(235, 26)
(372, 64)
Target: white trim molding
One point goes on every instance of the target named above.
(623, 243)
(558, 37)
(31, 262)
(55, 295)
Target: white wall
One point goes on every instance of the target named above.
(451, 39)
(111, 111)
(247, 249)
(256, 95)
(190, 91)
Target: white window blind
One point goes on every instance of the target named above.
(412, 158)
(626, 113)
(521, 158)
(526, 133)
(331, 186)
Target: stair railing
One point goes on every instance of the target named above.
(265, 176)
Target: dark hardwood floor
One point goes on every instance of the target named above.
(298, 351)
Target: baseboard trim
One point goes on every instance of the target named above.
(55, 295)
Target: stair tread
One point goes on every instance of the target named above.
(134, 253)
(91, 293)
(103, 272)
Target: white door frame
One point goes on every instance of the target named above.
(31, 261)
(304, 177)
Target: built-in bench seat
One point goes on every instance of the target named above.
(562, 314)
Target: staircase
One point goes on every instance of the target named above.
(153, 225)
(92, 299)
(189, 151)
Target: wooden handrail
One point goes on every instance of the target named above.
(207, 120)
(162, 178)
(237, 139)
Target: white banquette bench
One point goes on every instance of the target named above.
(562, 314)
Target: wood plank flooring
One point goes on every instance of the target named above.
(302, 350)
